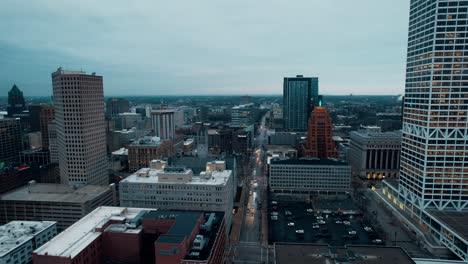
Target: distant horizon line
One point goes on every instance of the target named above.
(200, 95)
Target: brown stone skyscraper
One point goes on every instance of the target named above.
(319, 137)
(79, 120)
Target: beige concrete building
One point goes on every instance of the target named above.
(54, 202)
(80, 126)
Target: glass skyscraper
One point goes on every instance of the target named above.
(297, 95)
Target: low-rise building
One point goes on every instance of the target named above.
(121, 138)
(134, 235)
(54, 202)
(129, 120)
(167, 187)
(285, 138)
(18, 239)
(279, 151)
(119, 160)
(373, 154)
(309, 176)
(38, 157)
(143, 150)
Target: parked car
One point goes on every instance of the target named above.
(346, 223)
(291, 224)
(274, 217)
(377, 241)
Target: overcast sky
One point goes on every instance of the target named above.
(190, 47)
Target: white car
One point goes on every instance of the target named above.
(352, 232)
(300, 231)
(367, 229)
(310, 210)
(346, 223)
(319, 218)
(377, 241)
(291, 224)
(315, 226)
(274, 213)
(274, 217)
(274, 202)
(321, 222)
(338, 222)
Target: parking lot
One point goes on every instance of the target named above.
(334, 222)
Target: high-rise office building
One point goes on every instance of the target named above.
(297, 95)
(162, 122)
(116, 106)
(435, 121)
(16, 103)
(79, 121)
(10, 139)
(433, 185)
(319, 137)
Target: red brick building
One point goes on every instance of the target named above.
(319, 137)
(130, 235)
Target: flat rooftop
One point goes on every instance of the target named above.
(15, 233)
(152, 176)
(147, 141)
(162, 111)
(78, 236)
(121, 151)
(309, 161)
(278, 147)
(129, 114)
(243, 106)
(182, 228)
(457, 221)
(323, 254)
(369, 134)
(198, 164)
(46, 192)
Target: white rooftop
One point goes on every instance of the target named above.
(15, 233)
(243, 106)
(126, 131)
(129, 114)
(122, 151)
(147, 141)
(78, 236)
(152, 176)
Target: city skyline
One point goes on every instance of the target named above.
(204, 49)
